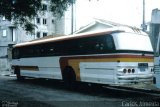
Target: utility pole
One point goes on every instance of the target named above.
(72, 18)
(73, 22)
(143, 25)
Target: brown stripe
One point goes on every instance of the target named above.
(109, 56)
(30, 68)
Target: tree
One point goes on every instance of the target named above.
(23, 11)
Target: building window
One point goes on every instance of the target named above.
(38, 20)
(4, 33)
(44, 34)
(13, 35)
(53, 21)
(44, 21)
(44, 7)
(38, 34)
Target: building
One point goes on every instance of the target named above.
(6, 29)
(46, 24)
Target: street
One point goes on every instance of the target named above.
(49, 93)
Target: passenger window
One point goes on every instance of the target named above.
(110, 43)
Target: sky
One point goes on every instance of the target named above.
(121, 11)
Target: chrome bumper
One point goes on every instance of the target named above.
(125, 79)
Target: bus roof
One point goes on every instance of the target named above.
(74, 36)
(67, 37)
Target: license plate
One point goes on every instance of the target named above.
(142, 69)
(142, 66)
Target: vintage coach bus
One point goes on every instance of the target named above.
(106, 57)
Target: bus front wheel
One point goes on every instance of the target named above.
(69, 78)
(18, 74)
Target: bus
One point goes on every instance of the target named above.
(112, 57)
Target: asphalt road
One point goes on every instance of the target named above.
(49, 93)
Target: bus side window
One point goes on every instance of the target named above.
(42, 51)
(110, 43)
(49, 49)
(37, 51)
(92, 45)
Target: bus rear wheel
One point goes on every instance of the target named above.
(69, 78)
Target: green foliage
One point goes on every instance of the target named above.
(59, 6)
(23, 11)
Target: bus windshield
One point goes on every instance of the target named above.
(130, 41)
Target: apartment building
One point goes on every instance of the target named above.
(6, 29)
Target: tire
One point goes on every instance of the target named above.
(18, 74)
(69, 78)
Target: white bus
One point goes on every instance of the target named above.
(112, 57)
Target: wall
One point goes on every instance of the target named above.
(5, 39)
